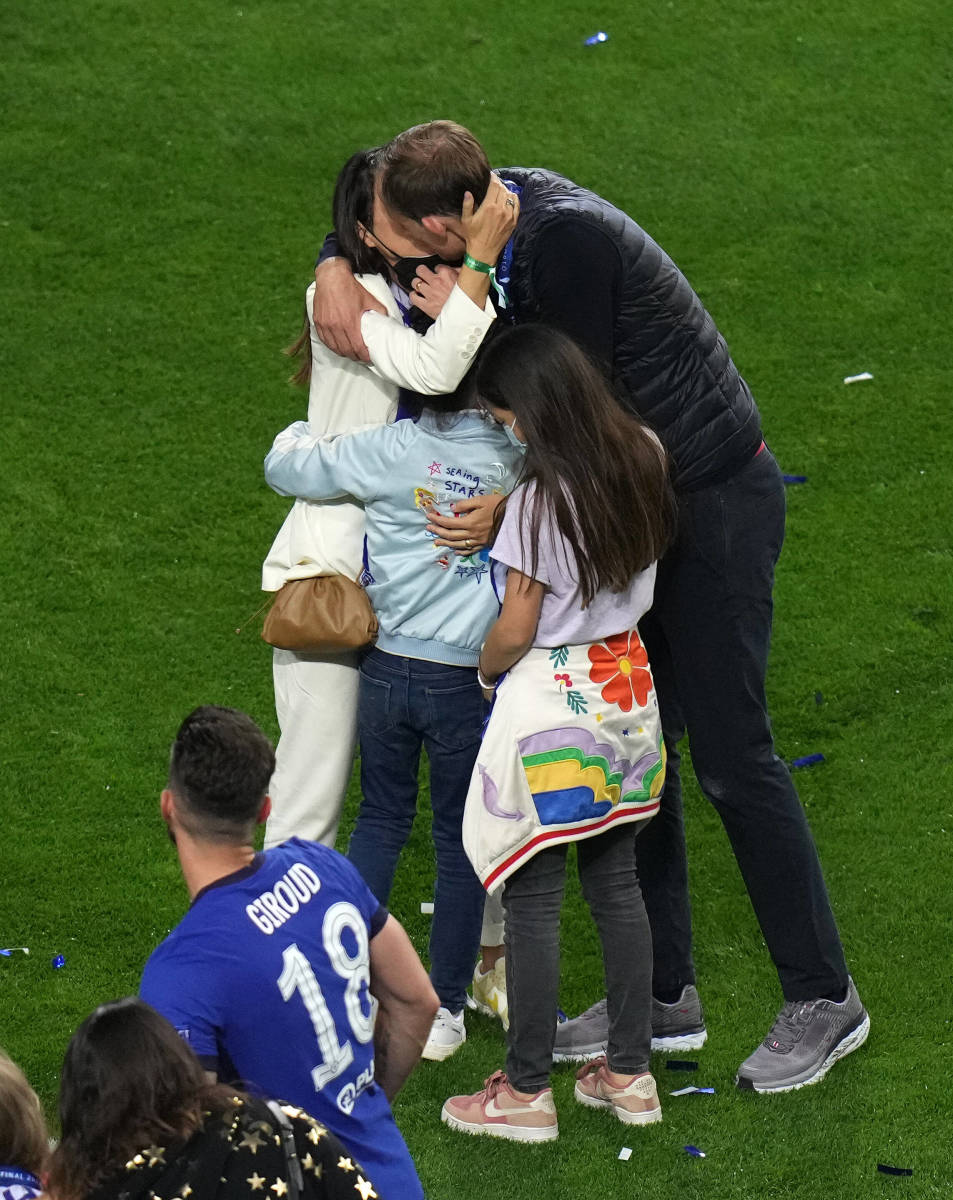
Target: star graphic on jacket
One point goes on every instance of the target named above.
(279, 1187)
(256, 1182)
(252, 1140)
(366, 1188)
(309, 1164)
(316, 1134)
(345, 1164)
(156, 1155)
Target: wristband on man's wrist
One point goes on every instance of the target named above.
(476, 265)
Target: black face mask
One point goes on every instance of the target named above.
(406, 268)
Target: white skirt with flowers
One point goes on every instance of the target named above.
(573, 746)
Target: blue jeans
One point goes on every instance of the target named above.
(403, 704)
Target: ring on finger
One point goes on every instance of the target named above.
(511, 203)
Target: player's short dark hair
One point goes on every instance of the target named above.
(426, 170)
(219, 771)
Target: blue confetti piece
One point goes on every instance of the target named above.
(597, 39)
(560, 1016)
(885, 1169)
(57, 961)
(680, 1064)
(706, 1091)
(6, 953)
(795, 478)
(809, 760)
(695, 1152)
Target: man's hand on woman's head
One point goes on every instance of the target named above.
(488, 228)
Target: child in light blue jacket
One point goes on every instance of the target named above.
(418, 684)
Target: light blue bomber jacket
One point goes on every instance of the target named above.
(430, 603)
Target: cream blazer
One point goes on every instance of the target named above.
(327, 538)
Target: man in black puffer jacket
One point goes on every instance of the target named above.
(580, 264)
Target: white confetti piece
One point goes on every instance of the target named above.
(426, 906)
(861, 378)
(625, 1154)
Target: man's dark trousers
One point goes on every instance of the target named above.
(708, 637)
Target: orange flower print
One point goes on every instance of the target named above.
(622, 662)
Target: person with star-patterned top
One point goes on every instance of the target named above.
(141, 1122)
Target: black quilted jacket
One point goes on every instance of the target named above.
(669, 362)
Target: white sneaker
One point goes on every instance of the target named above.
(489, 992)
(447, 1035)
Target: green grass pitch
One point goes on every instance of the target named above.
(166, 172)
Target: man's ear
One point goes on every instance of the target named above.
(435, 225)
(265, 810)
(167, 805)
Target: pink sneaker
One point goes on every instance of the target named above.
(635, 1104)
(499, 1112)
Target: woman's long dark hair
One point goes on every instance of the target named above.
(128, 1080)
(353, 205)
(594, 466)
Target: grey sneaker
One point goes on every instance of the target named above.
(678, 1026)
(584, 1037)
(805, 1041)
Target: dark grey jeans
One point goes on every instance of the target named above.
(532, 898)
(707, 638)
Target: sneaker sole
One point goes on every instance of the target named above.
(440, 1053)
(512, 1133)
(647, 1117)
(853, 1041)
(690, 1040)
(582, 1055)
(661, 1045)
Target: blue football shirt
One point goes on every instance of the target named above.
(267, 978)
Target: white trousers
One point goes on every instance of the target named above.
(492, 934)
(316, 705)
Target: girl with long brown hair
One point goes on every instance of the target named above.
(573, 750)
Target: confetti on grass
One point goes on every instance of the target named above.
(597, 39)
(57, 961)
(426, 906)
(7, 953)
(690, 1090)
(861, 378)
(625, 1153)
(886, 1169)
(794, 478)
(809, 760)
(695, 1152)
(681, 1064)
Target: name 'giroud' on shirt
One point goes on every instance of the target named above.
(272, 908)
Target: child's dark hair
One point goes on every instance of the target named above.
(128, 1080)
(595, 467)
(352, 206)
